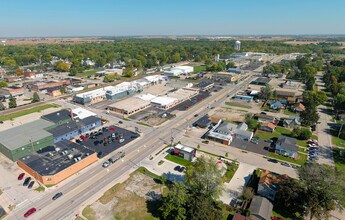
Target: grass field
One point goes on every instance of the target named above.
(288, 112)
(89, 213)
(236, 104)
(199, 68)
(338, 159)
(277, 132)
(338, 141)
(87, 73)
(300, 161)
(230, 172)
(27, 111)
(178, 160)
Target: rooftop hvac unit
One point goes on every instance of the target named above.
(76, 159)
(79, 158)
(70, 156)
(57, 149)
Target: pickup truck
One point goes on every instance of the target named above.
(118, 156)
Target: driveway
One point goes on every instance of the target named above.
(235, 187)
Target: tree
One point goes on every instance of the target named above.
(289, 196)
(61, 66)
(3, 84)
(266, 93)
(247, 117)
(205, 178)
(308, 72)
(302, 133)
(19, 72)
(110, 78)
(128, 72)
(35, 98)
(324, 189)
(12, 102)
(252, 124)
(175, 202)
(2, 107)
(309, 116)
(231, 64)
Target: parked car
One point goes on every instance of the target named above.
(57, 195)
(27, 181)
(121, 140)
(182, 169)
(177, 168)
(263, 113)
(21, 176)
(269, 140)
(285, 164)
(120, 122)
(106, 164)
(196, 115)
(100, 154)
(295, 166)
(31, 184)
(273, 160)
(29, 212)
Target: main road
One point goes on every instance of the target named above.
(84, 186)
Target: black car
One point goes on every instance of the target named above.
(26, 181)
(100, 154)
(57, 195)
(177, 168)
(273, 160)
(182, 169)
(31, 184)
(120, 122)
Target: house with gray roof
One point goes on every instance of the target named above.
(276, 105)
(286, 146)
(292, 121)
(260, 208)
(224, 132)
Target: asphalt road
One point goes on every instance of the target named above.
(78, 191)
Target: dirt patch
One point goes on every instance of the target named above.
(153, 119)
(229, 114)
(128, 200)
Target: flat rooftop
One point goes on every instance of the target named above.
(182, 94)
(184, 148)
(22, 135)
(53, 159)
(55, 117)
(164, 100)
(130, 104)
(72, 126)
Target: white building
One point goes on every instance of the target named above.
(164, 102)
(179, 70)
(72, 89)
(82, 113)
(146, 96)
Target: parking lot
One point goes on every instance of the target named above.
(260, 148)
(108, 140)
(190, 102)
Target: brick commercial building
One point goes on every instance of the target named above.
(12, 90)
(38, 86)
(53, 164)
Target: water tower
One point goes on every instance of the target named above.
(238, 45)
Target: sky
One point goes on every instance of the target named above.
(52, 18)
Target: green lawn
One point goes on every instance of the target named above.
(236, 104)
(302, 143)
(230, 172)
(301, 158)
(27, 111)
(283, 131)
(339, 160)
(87, 73)
(199, 68)
(338, 141)
(288, 112)
(277, 132)
(178, 160)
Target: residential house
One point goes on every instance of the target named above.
(260, 208)
(286, 146)
(269, 183)
(276, 105)
(291, 100)
(266, 118)
(268, 127)
(292, 122)
(224, 132)
(12, 78)
(298, 107)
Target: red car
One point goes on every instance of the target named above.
(29, 212)
(112, 129)
(21, 176)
